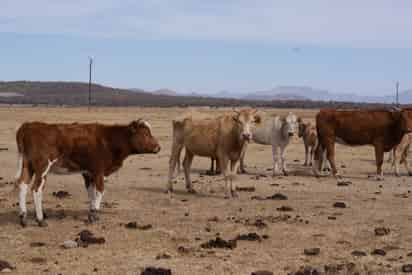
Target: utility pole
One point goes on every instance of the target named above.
(397, 93)
(90, 81)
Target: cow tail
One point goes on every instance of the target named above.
(20, 151)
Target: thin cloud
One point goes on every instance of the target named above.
(351, 23)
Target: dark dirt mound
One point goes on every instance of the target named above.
(156, 271)
(219, 243)
(249, 237)
(87, 237)
(61, 194)
(135, 225)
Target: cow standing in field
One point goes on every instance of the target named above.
(220, 138)
(278, 132)
(400, 154)
(93, 150)
(307, 132)
(383, 129)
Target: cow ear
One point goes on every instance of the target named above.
(258, 119)
(133, 126)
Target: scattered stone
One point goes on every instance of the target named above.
(344, 183)
(379, 252)
(134, 225)
(213, 219)
(70, 244)
(382, 231)
(249, 237)
(277, 196)
(183, 250)
(358, 253)
(258, 198)
(409, 254)
(5, 265)
(219, 243)
(61, 194)
(6, 270)
(259, 223)
(262, 272)
(407, 268)
(331, 218)
(163, 256)
(37, 244)
(284, 208)
(339, 204)
(87, 237)
(156, 271)
(38, 260)
(311, 251)
(246, 189)
(145, 168)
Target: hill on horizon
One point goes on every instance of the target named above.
(76, 94)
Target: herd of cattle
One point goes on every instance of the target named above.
(96, 150)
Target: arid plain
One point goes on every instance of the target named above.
(346, 236)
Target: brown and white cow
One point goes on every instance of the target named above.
(220, 138)
(94, 150)
(383, 129)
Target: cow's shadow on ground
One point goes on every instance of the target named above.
(12, 217)
(179, 192)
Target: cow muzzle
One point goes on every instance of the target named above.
(157, 149)
(247, 137)
(290, 134)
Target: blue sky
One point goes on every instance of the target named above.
(351, 46)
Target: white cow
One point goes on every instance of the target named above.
(278, 132)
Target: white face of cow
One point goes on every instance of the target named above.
(244, 120)
(290, 125)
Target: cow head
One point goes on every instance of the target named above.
(141, 138)
(243, 122)
(289, 125)
(406, 120)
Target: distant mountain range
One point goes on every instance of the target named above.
(308, 93)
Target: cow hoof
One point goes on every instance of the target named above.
(379, 178)
(410, 174)
(45, 216)
(234, 194)
(42, 223)
(191, 191)
(305, 164)
(93, 216)
(285, 173)
(23, 221)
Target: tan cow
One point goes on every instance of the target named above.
(221, 138)
(307, 132)
(400, 154)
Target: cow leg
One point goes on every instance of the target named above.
(275, 160)
(96, 191)
(224, 167)
(24, 175)
(283, 160)
(318, 160)
(187, 163)
(312, 152)
(242, 166)
(211, 171)
(174, 158)
(379, 154)
(91, 192)
(330, 154)
(234, 166)
(39, 182)
(306, 155)
(218, 170)
(395, 161)
(404, 159)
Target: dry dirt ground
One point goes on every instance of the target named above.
(181, 225)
